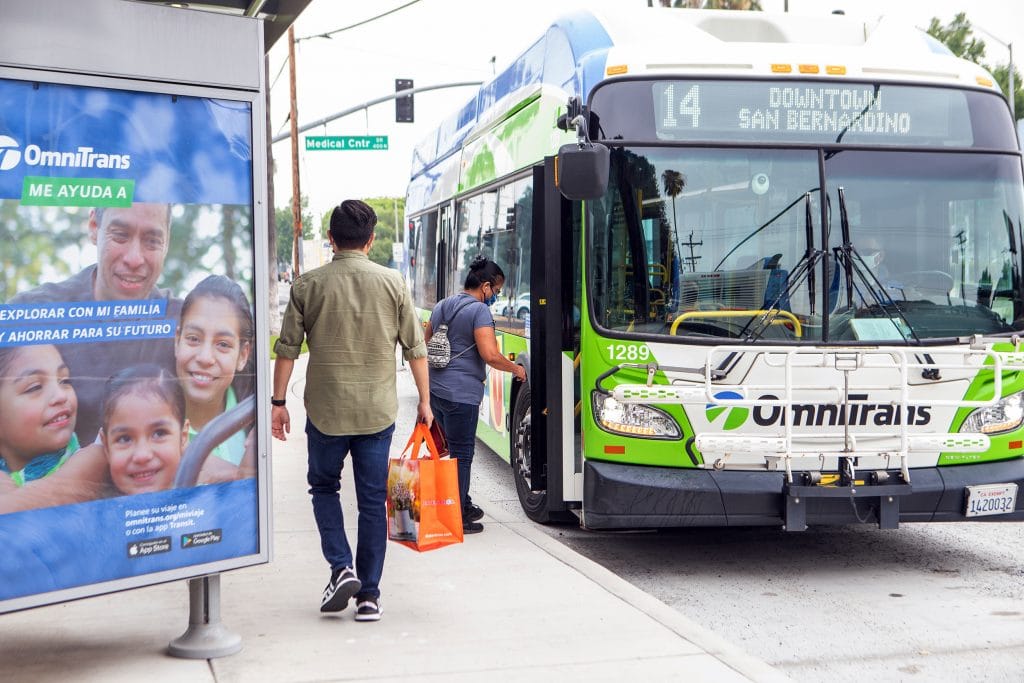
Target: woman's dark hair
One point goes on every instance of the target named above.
(482, 270)
(352, 224)
(148, 380)
(222, 287)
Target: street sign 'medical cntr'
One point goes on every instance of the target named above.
(345, 142)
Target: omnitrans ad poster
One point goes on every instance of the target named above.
(126, 335)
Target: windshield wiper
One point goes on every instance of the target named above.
(853, 264)
(758, 229)
(803, 270)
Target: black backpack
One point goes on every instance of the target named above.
(439, 349)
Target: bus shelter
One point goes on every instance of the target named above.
(133, 206)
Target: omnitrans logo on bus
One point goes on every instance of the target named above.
(735, 416)
(860, 413)
(34, 155)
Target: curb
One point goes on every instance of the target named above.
(712, 643)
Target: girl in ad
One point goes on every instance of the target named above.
(212, 357)
(144, 429)
(40, 461)
(38, 411)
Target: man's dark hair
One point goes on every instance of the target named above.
(352, 224)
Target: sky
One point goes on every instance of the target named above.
(434, 42)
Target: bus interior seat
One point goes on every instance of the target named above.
(775, 288)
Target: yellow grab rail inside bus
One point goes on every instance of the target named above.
(776, 314)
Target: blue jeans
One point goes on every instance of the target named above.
(458, 421)
(370, 468)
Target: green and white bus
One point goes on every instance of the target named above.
(762, 270)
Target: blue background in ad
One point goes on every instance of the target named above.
(75, 545)
(182, 149)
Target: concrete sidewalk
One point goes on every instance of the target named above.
(510, 604)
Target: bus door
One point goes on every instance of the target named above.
(553, 480)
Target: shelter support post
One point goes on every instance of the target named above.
(206, 637)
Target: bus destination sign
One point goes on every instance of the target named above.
(825, 111)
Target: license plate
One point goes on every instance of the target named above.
(991, 499)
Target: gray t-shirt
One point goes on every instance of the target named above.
(463, 380)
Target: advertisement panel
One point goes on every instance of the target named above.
(127, 338)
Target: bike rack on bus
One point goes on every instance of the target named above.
(779, 448)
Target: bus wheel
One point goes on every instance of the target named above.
(534, 503)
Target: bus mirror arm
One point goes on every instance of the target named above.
(602, 377)
(573, 108)
(649, 368)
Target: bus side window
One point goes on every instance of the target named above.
(424, 260)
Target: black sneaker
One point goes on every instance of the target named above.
(340, 589)
(472, 513)
(471, 527)
(368, 609)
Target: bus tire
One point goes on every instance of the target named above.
(534, 503)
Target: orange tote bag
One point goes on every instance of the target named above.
(424, 510)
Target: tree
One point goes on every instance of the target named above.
(673, 182)
(285, 229)
(390, 212)
(1002, 75)
(28, 236)
(958, 36)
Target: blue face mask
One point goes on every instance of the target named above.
(489, 301)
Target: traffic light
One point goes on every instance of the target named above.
(403, 105)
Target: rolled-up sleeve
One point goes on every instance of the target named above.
(410, 331)
(289, 342)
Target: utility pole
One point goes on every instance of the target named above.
(296, 197)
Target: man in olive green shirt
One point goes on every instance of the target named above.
(352, 312)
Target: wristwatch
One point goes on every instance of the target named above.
(277, 401)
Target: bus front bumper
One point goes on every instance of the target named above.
(621, 496)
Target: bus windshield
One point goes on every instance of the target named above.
(731, 243)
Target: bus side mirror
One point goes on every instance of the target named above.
(581, 171)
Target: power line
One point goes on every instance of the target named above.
(279, 72)
(359, 107)
(365, 21)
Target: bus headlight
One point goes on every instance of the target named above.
(633, 419)
(1004, 416)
